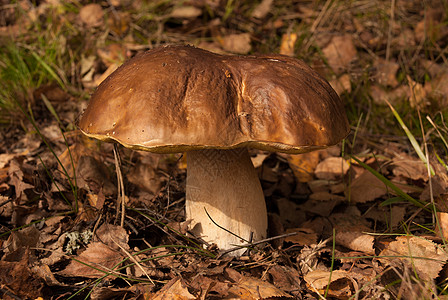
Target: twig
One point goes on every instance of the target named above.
(258, 242)
(121, 194)
(135, 261)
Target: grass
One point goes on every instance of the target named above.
(51, 50)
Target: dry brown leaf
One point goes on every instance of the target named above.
(320, 185)
(357, 241)
(102, 293)
(262, 9)
(340, 52)
(303, 165)
(258, 159)
(340, 282)
(288, 43)
(325, 196)
(304, 236)
(185, 12)
(342, 84)
(321, 208)
(175, 289)
(438, 89)
(423, 256)
(417, 98)
(249, 288)
(442, 217)
(410, 167)
(144, 175)
(431, 27)
(380, 95)
(98, 79)
(17, 277)
(94, 175)
(17, 178)
(291, 214)
(350, 228)
(92, 15)
(364, 188)
(386, 72)
(95, 258)
(236, 43)
(96, 201)
(286, 278)
(331, 168)
(112, 54)
(113, 236)
(393, 216)
(43, 271)
(53, 92)
(18, 243)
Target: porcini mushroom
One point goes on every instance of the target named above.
(214, 107)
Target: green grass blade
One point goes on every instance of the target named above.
(49, 70)
(390, 185)
(411, 138)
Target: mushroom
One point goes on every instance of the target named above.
(214, 107)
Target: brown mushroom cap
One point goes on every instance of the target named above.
(181, 98)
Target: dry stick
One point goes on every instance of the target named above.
(391, 24)
(258, 242)
(120, 185)
(134, 260)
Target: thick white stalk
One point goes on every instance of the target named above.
(225, 184)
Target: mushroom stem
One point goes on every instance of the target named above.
(224, 184)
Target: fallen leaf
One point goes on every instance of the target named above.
(258, 159)
(331, 168)
(340, 52)
(325, 196)
(112, 54)
(17, 277)
(119, 22)
(94, 262)
(18, 243)
(303, 236)
(236, 43)
(98, 79)
(102, 293)
(423, 256)
(113, 236)
(249, 288)
(144, 174)
(386, 72)
(185, 12)
(342, 84)
(291, 214)
(17, 178)
(262, 9)
(339, 280)
(407, 166)
(175, 289)
(417, 98)
(288, 43)
(286, 278)
(320, 207)
(350, 228)
(91, 15)
(442, 217)
(303, 165)
(364, 188)
(94, 175)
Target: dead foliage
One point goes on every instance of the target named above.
(338, 231)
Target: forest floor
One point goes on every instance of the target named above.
(366, 219)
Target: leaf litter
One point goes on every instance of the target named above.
(339, 230)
